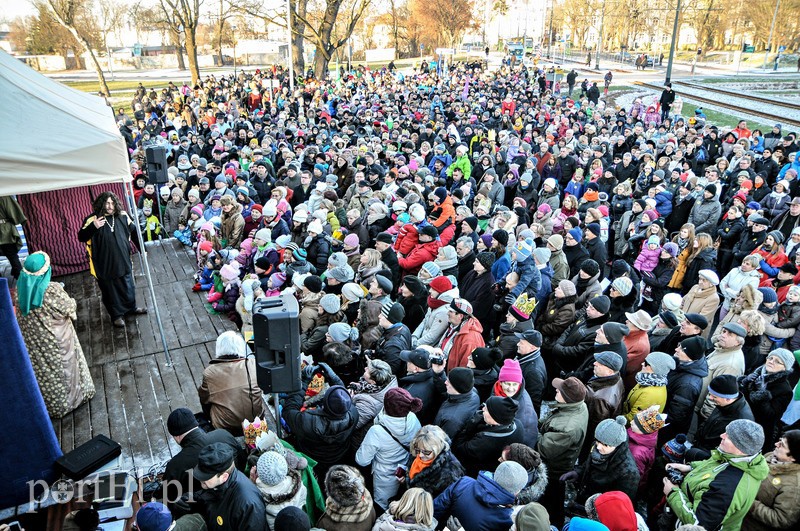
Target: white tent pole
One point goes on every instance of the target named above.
(131, 200)
(143, 251)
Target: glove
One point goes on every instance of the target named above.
(569, 476)
(510, 298)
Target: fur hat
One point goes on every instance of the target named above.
(344, 485)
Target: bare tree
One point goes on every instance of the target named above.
(75, 17)
(183, 16)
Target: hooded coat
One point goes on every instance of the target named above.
(478, 504)
(615, 471)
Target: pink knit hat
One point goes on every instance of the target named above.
(229, 272)
(351, 240)
(510, 372)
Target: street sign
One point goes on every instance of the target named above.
(749, 49)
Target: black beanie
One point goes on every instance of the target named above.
(486, 259)
(793, 444)
(180, 421)
(502, 409)
(486, 358)
(313, 283)
(501, 236)
(472, 221)
(462, 379)
(694, 347)
(590, 267)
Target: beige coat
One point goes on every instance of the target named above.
(702, 301)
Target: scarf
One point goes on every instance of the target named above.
(418, 466)
(768, 311)
(363, 386)
(649, 379)
(33, 282)
(350, 513)
(446, 263)
(497, 390)
(435, 303)
(682, 243)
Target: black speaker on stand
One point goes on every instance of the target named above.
(156, 158)
(276, 334)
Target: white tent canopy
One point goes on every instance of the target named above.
(54, 137)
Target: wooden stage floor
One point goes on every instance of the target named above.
(136, 389)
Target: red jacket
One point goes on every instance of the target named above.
(638, 346)
(467, 339)
(424, 252)
(407, 239)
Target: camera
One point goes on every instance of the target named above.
(369, 353)
(674, 476)
(437, 360)
(497, 308)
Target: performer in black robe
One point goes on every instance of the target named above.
(107, 233)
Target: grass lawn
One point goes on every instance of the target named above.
(720, 118)
(776, 78)
(126, 84)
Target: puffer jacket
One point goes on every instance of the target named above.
(705, 214)
(421, 253)
(468, 338)
(232, 228)
(732, 283)
(393, 341)
(733, 483)
(478, 504)
(291, 492)
(777, 504)
(643, 450)
(642, 397)
(309, 312)
(433, 325)
(684, 384)
(318, 251)
(385, 454)
(615, 471)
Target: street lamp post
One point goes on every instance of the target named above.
(289, 42)
(771, 30)
(233, 30)
(672, 44)
(600, 38)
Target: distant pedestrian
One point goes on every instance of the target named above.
(667, 98)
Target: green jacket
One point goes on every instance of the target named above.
(463, 163)
(718, 492)
(561, 435)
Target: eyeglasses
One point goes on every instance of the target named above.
(420, 451)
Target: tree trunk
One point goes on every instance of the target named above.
(298, 29)
(175, 39)
(321, 60)
(88, 49)
(219, 42)
(191, 51)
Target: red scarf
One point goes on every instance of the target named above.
(435, 303)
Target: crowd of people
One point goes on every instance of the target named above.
(517, 310)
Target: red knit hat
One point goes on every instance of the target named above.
(398, 402)
(510, 372)
(441, 284)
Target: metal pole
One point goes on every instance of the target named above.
(600, 38)
(277, 415)
(672, 44)
(550, 31)
(111, 66)
(289, 40)
(143, 252)
(771, 30)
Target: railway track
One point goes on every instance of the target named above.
(751, 97)
(711, 101)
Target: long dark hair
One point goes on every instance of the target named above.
(99, 204)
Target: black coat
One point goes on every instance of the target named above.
(318, 251)
(465, 265)
(705, 259)
(477, 289)
(597, 252)
(575, 256)
(415, 308)
(534, 373)
(389, 346)
(658, 280)
(421, 385)
(586, 370)
(484, 381)
(747, 244)
(768, 397)
(680, 213)
(576, 343)
(178, 467)
(479, 445)
(709, 433)
(456, 411)
(389, 257)
(684, 384)
(317, 433)
(617, 471)
(236, 505)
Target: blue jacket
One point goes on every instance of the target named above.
(479, 504)
(501, 266)
(530, 279)
(664, 204)
(546, 288)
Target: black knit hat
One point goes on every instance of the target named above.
(501, 236)
(313, 283)
(462, 379)
(502, 409)
(384, 237)
(486, 259)
(695, 347)
(601, 303)
(590, 267)
(486, 358)
(793, 444)
(180, 421)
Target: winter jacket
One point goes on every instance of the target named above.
(309, 312)
(709, 432)
(575, 255)
(468, 338)
(534, 374)
(318, 251)
(732, 283)
(720, 361)
(318, 434)
(684, 384)
(393, 341)
(768, 396)
(556, 317)
(775, 204)
(705, 259)
(605, 473)
(718, 492)
(656, 283)
(407, 238)
(478, 504)
(230, 390)
(648, 259)
(702, 301)
(423, 385)
(478, 446)
(385, 453)
(477, 289)
(433, 325)
(558, 261)
(596, 248)
(387, 522)
(421, 253)
(747, 245)
(370, 404)
(642, 397)
(232, 228)
(638, 346)
(236, 505)
(604, 398)
(676, 282)
(561, 436)
(705, 214)
(507, 340)
(587, 289)
(436, 477)
(576, 343)
(643, 450)
(530, 278)
(456, 411)
(777, 504)
(172, 215)
(290, 492)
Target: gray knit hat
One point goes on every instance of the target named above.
(660, 362)
(343, 273)
(337, 259)
(542, 255)
(330, 303)
(511, 476)
(622, 284)
(746, 435)
(785, 356)
(612, 360)
(612, 432)
(272, 468)
(567, 287)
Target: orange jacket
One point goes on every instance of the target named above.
(467, 339)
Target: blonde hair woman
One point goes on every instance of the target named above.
(414, 511)
(370, 264)
(432, 466)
